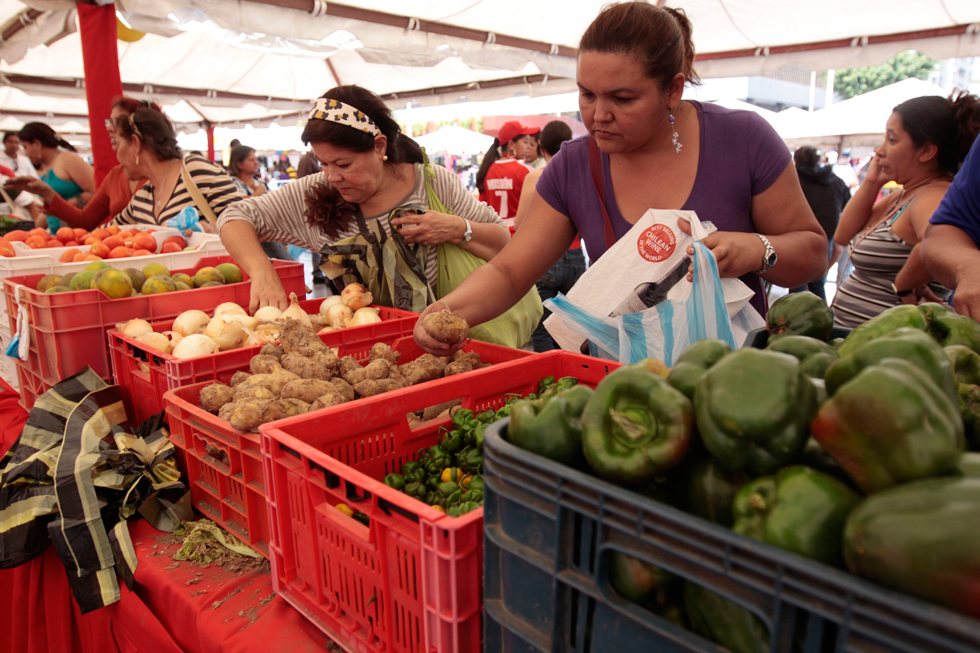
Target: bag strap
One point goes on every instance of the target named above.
(435, 203)
(196, 195)
(598, 180)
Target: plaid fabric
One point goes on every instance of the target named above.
(73, 478)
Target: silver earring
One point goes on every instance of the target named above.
(674, 136)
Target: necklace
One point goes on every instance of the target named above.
(156, 199)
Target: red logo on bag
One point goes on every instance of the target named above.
(657, 243)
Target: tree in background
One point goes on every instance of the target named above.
(855, 81)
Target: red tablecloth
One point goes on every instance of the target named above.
(176, 608)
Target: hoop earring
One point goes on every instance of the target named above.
(673, 130)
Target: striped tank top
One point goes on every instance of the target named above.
(877, 257)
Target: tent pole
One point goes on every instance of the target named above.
(210, 129)
(102, 82)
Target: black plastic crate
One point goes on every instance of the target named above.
(548, 530)
(759, 338)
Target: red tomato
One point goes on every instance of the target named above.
(100, 250)
(120, 252)
(65, 234)
(142, 252)
(113, 229)
(176, 239)
(171, 248)
(69, 256)
(54, 243)
(91, 240)
(101, 234)
(6, 249)
(43, 233)
(80, 234)
(112, 242)
(81, 257)
(91, 257)
(18, 235)
(145, 241)
(71, 243)
(36, 242)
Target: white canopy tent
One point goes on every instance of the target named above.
(238, 61)
(455, 140)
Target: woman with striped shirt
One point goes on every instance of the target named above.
(147, 149)
(926, 140)
(347, 212)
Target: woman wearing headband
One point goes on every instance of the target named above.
(347, 212)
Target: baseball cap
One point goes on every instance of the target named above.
(512, 129)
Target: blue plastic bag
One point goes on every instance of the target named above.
(186, 220)
(665, 330)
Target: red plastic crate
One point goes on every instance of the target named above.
(68, 330)
(412, 581)
(144, 374)
(193, 429)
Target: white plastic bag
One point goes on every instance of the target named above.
(667, 329)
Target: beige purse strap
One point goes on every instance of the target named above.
(196, 195)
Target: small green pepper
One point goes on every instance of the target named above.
(409, 467)
(470, 460)
(461, 417)
(433, 481)
(452, 441)
(396, 481)
(476, 483)
(417, 475)
(472, 495)
(462, 508)
(487, 417)
(415, 490)
(545, 383)
(446, 488)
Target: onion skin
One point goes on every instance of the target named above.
(156, 341)
(364, 316)
(229, 307)
(356, 296)
(328, 302)
(294, 312)
(226, 332)
(267, 314)
(135, 328)
(339, 315)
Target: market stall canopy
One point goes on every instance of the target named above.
(277, 54)
(455, 140)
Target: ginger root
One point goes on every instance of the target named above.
(446, 328)
(214, 396)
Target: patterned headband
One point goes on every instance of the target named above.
(343, 114)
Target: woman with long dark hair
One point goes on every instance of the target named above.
(243, 166)
(59, 165)
(926, 140)
(371, 205)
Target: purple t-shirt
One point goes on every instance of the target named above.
(741, 156)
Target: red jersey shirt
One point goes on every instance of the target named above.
(503, 185)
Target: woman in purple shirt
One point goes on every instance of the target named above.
(659, 152)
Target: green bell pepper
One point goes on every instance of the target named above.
(798, 509)
(921, 538)
(452, 441)
(709, 491)
(884, 323)
(636, 580)
(890, 424)
(460, 417)
(966, 367)
(476, 483)
(911, 345)
(552, 429)
(462, 508)
(470, 460)
(691, 365)
(724, 622)
(416, 490)
(396, 481)
(799, 314)
(814, 355)
(754, 410)
(952, 329)
(635, 427)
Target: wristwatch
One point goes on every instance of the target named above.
(901, 293)
(769, 260)
(468, 234)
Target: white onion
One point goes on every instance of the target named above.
(227, 333)
(326, 329)
(268, 314)
(295, 312)
(338, 315)
(328, 302)
(356, 296)
(194, 346)
(229, 307)
(190, 322)
(135, 328)
(366, 315)
(156, 341)
(246, 321)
